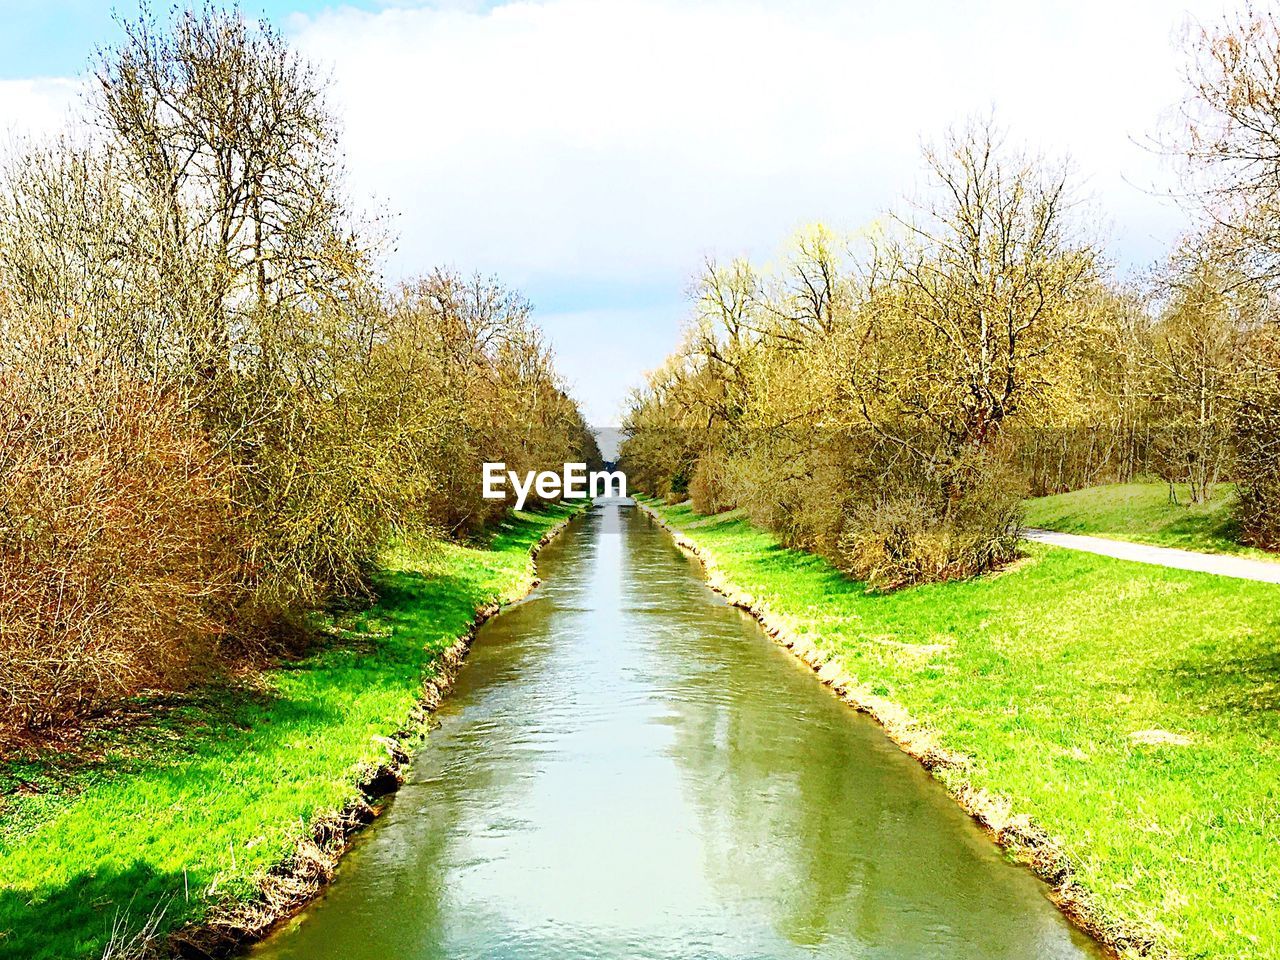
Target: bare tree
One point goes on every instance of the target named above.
(989, 285)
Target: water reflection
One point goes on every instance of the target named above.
(628, 768)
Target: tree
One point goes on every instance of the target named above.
(1232, 148)
(1232, 135)
(1257, 437)
(988, 286)
(1193, 354)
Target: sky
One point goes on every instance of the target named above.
(592, 153)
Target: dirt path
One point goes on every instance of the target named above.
(1242, 568)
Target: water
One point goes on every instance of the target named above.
(629, 768)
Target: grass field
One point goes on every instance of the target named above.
(1141, 512)
(188, 805)
(1042, 674)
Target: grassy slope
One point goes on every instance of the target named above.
(1041, 673)
(206, 795)
(1141, 512)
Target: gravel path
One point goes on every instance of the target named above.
(1242, 568)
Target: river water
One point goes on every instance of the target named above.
(629, 768)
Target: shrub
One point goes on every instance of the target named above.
(708, 489)
(797, 484)
(117, 558)
(212, 415)
(909, 533)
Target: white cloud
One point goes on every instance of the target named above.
(622, 139)
(37, 108)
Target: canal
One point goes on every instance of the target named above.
(629, 768)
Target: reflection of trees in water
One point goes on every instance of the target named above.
(832, 835)
(757, 800)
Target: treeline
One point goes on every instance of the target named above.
(889, 401)
(212, 413)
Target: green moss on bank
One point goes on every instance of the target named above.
(1142, 513)
(189, 805)
(1043, 674)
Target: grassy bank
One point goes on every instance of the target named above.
(1142, 513)
(180, 808)
(1131, 711)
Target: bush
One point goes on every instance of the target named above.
(708, 489)
(797, 484)
(905, 536)
(117, 558)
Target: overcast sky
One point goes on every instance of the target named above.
(592, 152)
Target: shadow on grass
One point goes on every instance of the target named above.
(522, 530)
(1248, 686)
(83, 916)
(145, 735)
(1205, 529)
(430, 610)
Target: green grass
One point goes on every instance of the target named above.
(1142, 513)
(189, 805)
(1041, 673)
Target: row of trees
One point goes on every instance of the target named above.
(1162, 380)
(212, 414)
(890, 401)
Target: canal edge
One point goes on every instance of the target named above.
(302, 875)
(1016, 833)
